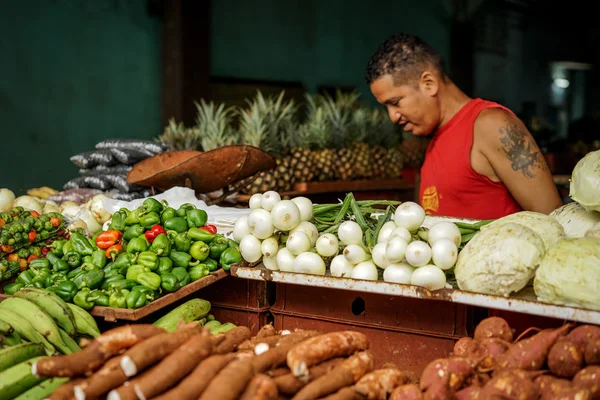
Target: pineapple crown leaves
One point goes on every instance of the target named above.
(177, 137)
(214, 125)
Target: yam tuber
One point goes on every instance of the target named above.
(443, 377)
(592, 352)
(494, 327)
(508, 385)
(407, 392)
(109, 377)
(232, 339)
(288, 384)
(565, 358)
(487, 351)
(261, 387)
(589, 378)
(553, 388)
(92, 357)
(274, 373)
(461, 346)
(345, 374)
(230, 382)
(378, 385)
(276, 356)
(582, 334)
(266, 331)
(345, 393)
(273, 341)
(322, 348)
(65, 391)
(472, 392)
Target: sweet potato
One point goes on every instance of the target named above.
(230, 382)
(324, 347)
(487, 351)
(589, 378)
(461, 346)
(565, 358)
(407, 392)
(378, 384)
(261, 387)
(531, 353)
(232, 339)
(509, 385)
(592, 352)
(472, 392)
(443, 377)
(345, 393)
(345, 374)
(494, 327)
(553, 388)
(92, 357)
(288, 384)
(582, 334)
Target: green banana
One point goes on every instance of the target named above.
(18, 379)
(25, 330)
(52, 305)
(11, 339)
(85, 324)
(189, 311)
(5, 328)
(14, 355)
(73, 346)
(42, 390)
(38, 319)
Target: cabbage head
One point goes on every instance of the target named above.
(548, 228)
(569, 274)
(575, 219)
(499, 260)
(585, 181)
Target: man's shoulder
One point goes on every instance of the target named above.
(495, 119)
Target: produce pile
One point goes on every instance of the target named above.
(145, 253)
(353, 239)
(106, 167)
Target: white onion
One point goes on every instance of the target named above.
(428, 276)
(285, 215)
(409, 215)
(7, 197)
(386, 231)
(270, 263)
(395, 249)
(378, 254)
(403, 233)
(241, 228)
(305, 206)
(250, 248)
(365, 270)
(309, 263)
(298, 242)
(444, 230)
(444, 253)
(86, 216)
(97, 208)
(350, 232)
(310, 229)
(269, 247)
(340, 267)
(285, 260)
(327, 245)
(254, 201)
(260, 224)
(29, 203)
(398, 273)
(355, 254)
(269, 199)
(418, 253)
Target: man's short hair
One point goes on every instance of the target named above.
(405, 57)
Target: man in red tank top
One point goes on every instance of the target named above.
(482, 162)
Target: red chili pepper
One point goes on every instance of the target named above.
(31, 258)
(209, 228)
(154, 232)
(108, 238)
(55, 222)
(45, 250)
(113, 251)
(34, 214)
(31, 235)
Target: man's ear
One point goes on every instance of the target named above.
(429, 83)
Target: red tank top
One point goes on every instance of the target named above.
(449, 185)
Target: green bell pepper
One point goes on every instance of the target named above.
(73, 273)
(177, 224)
(211, 264)
(182, 275)
(99, 298)
(161, 245)
(81, 244)
(148, 292)
(87, 260)
(183, 242)
(73, 258)
(233, 244)
(13, 288)
(26, 277)
(123, 261)
(39, 263)
(200, 251)
(122, 284)
(198, 272)
(111, 272)
(151, 205)
(196, 218)
(81, 299)
(183, 209)
(99, 258)
(135, 299)
(93, 279)
(133, 231)
(149, 279)
(150, 219)
(148, 259)
(57, 277)
(118, 298)
(137, 245)
(135, 270)
(218, 245)
(198, 234)
(133, 217)
(118, 221)
(180, 259)
(61, 266)
(110, 267)
(112, 278)
(165, 264)
(229, 257)
(169, 282)
(57, 247)
(167, 213)
(53, 258)
(66, 248)
(67, 290)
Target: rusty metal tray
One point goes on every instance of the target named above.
(522, 302)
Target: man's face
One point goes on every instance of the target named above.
(415, 108)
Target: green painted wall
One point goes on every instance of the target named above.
(317, 42)
(71, 74)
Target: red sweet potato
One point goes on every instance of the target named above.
(407, 392)
(589, 378)
(583, 334)
(443, 377)
(494, 327)
(508, 385)
(565, 358)
(378, 384)
(553, 388)
(531, 353)
(461, 345)
(487, 351)
(592, 352)
(472, 392)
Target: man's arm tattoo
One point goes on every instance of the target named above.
(521, 150)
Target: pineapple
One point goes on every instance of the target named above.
(178, 137)
(413, 150)
(214, 125)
